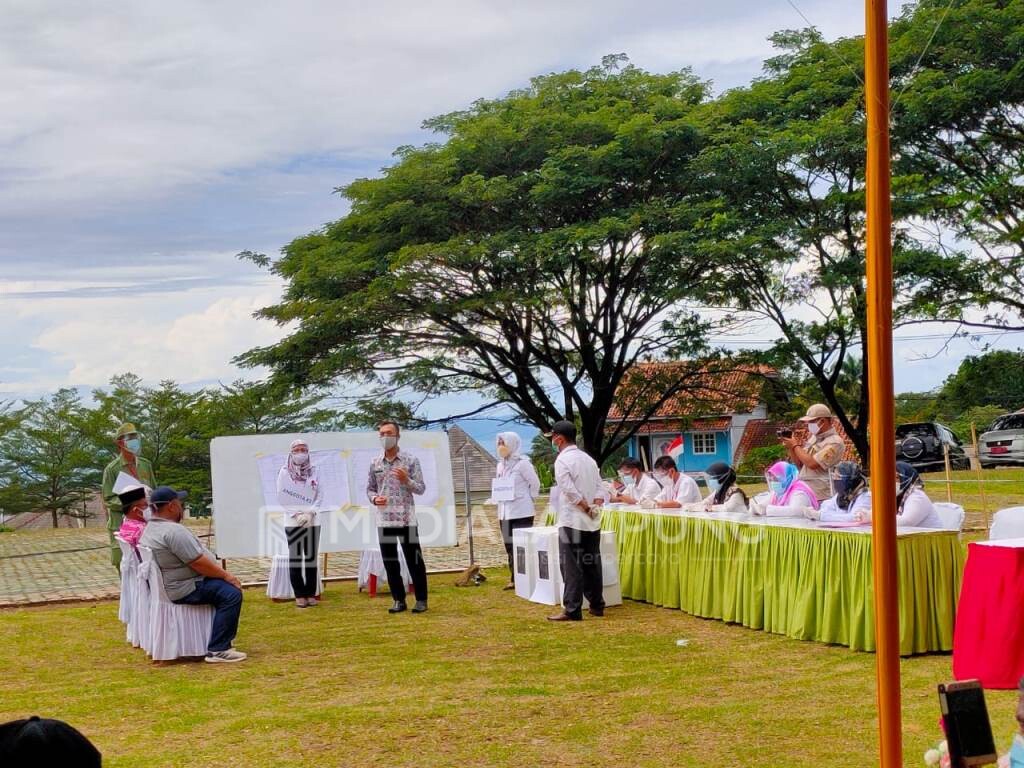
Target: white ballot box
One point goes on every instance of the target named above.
(547, 575)
(524, 562)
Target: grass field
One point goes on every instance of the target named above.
(480, 680)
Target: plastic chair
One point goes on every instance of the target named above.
(175, 630)
(951, 515)
(372, 573)
(1007, 524)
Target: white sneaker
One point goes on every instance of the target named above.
(228, 656)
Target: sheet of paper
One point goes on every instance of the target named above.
(123, 481)
(503, 488)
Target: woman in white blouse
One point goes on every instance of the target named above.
(724, 496)
(517, 513)
(300, 493)
(852, 500)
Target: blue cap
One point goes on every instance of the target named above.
(163, 494)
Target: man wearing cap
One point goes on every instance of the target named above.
(129, 461)
(822, 451)
(580, 494)
(191, 574)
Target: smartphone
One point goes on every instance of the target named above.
(968, 731)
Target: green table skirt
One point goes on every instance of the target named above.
(809, 584)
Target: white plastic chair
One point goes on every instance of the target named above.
(174, 630)
(1007, 524)
(952, 515)
(141, 632)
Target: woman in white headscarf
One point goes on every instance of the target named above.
(518, 512)
(300, 493)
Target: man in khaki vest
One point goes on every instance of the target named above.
(822, 450)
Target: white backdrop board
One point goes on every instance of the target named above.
(249, 520)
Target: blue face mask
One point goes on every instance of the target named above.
(776, 487)
(713, 484)
(133, 444)
(1017, 752)
(554, 445)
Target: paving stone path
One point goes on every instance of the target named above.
(63, 565)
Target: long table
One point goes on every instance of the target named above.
(787, 575)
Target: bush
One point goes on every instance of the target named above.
(758, 460)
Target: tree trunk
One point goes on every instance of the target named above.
(56, 517)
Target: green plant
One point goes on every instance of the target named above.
(758, 459)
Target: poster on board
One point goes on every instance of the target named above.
(249, 501)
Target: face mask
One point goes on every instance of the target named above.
(661, 477)
(300, 458)
(1017, 752)
(147, 513)
(134, 445)
(813, 428)
(554, 446)
(627, 480)
(503, 451)
(388, 441)
(776, 487)
(713, 484)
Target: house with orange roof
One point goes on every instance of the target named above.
(704, 417)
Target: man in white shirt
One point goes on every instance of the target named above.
(638, 487)
(580, 493)
(678, 489)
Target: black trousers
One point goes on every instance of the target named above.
(408, 538)
(507, 529)
(579, 553)
(303, 542)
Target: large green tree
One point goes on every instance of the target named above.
(958, 122)
(532, 258)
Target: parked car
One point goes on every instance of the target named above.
(1003, 442)
(923, 446)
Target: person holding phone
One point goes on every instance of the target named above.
(395, 476)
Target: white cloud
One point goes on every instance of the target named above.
(114, 336)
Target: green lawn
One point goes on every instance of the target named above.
(481, 679)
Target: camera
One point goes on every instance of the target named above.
(786, 432)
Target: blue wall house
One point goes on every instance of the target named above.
(710, 413)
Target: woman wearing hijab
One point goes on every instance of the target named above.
(723, 493)
(852, 499)
(913, 507)
(299, 492)
(517, 512)
(790, 495)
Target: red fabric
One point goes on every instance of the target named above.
(988, 639)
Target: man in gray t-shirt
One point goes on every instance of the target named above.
(191, 574)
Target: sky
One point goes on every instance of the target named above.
(144, 144)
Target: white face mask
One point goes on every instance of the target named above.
(813, 428)
(661, 477)
(300, 457)
(388, 441)
(147, 513)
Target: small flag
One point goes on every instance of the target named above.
(675, 448)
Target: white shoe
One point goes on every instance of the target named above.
(225, 657)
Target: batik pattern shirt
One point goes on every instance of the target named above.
(401, 507)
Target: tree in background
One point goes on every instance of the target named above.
(531, 259)
(993, 379)
(53, 456)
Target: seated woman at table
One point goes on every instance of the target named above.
(852, 498)
(723, 493)
(913, 507)
(789, 497)
(677, 489)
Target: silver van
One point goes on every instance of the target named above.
(1003, 442)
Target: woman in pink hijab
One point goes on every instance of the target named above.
(299, 492)
(790, 496)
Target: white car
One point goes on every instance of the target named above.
(1003, 442)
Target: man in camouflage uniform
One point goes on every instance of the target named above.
(822, 450)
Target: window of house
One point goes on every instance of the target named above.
(704, 443)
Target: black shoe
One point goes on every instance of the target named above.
(420, 607)
(398, 607)
(564, 617)
(596, 612)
